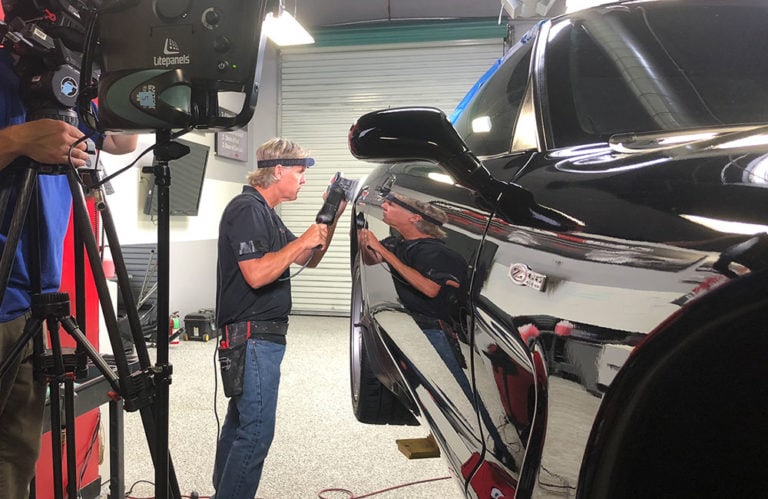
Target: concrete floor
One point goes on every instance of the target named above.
(320, 449)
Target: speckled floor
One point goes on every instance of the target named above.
(319, 446)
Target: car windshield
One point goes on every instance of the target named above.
(665, 67)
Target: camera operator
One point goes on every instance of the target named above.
(254, 297)
(45, 141)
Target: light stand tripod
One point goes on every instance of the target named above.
(137, 389)
(165, 151)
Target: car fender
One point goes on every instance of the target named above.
(672, 423)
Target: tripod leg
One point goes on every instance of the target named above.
(165, 477)
(56, 438)
(123, 281)
(149, 420)
(69, 412)
(71, 327)
(147, 414)
(54, 383)
(14, 231)
(116, 450)
(86, 232)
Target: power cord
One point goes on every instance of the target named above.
(216, 394)
(300, 270)
(562, 487)
(192, 495)
(351, 495)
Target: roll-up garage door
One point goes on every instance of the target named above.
(322, 92)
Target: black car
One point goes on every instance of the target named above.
(597, 323)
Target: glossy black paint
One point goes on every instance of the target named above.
(427, 135)
(609, 342)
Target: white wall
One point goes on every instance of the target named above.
(193, 239)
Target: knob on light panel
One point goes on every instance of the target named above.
(172, 10)
(211, 18)
(222, 44)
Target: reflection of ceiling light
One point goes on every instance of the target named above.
(481, 124)
(286, 30)
(755, 140)
(574, 5)
(543, 7)
(440, 177)
(682, 139)
(511, 7)
(727, 226)
(756, 171)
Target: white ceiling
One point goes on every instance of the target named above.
(317, 13)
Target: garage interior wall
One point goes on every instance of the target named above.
(323, 90)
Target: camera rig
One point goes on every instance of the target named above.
(154, 65)
(48, 44)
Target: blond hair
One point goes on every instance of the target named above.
(277, 148)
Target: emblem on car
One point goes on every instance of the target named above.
(524, 276)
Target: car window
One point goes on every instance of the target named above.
(631, 70)
(486, 125)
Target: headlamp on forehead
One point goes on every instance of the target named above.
(269, 163)
(393, 199)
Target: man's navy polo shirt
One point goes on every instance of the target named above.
(249, 229)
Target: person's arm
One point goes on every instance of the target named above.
(312, 257)
(317, 254)
(265, 270)
(46, 141)
(120, 144)
(423, 284)
(370, 257)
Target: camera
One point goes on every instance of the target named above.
(48, 38)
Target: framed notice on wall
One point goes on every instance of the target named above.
(234, 144)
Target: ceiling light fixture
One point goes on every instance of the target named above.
(284, 29)
(511, 7)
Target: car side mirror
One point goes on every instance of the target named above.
(424, 133)
(419, 133)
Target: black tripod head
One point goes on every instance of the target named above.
(47, 38)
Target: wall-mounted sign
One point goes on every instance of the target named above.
(234, 144)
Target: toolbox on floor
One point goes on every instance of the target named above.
(200, 326)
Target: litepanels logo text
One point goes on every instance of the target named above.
(172, 55)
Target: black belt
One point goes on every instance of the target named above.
(425, 322)
(239, 332)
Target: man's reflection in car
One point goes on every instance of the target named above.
(428, 275)
(431, 282)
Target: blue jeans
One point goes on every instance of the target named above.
(250, 424)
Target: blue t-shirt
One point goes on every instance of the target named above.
(55, 202)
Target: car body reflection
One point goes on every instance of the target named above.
(611, 214)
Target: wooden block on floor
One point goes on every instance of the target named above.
(418, 448)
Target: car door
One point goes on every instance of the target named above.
(434, 362)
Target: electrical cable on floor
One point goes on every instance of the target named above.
(216, 394)
(558, 488)
(192, 495)
(351, 495)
